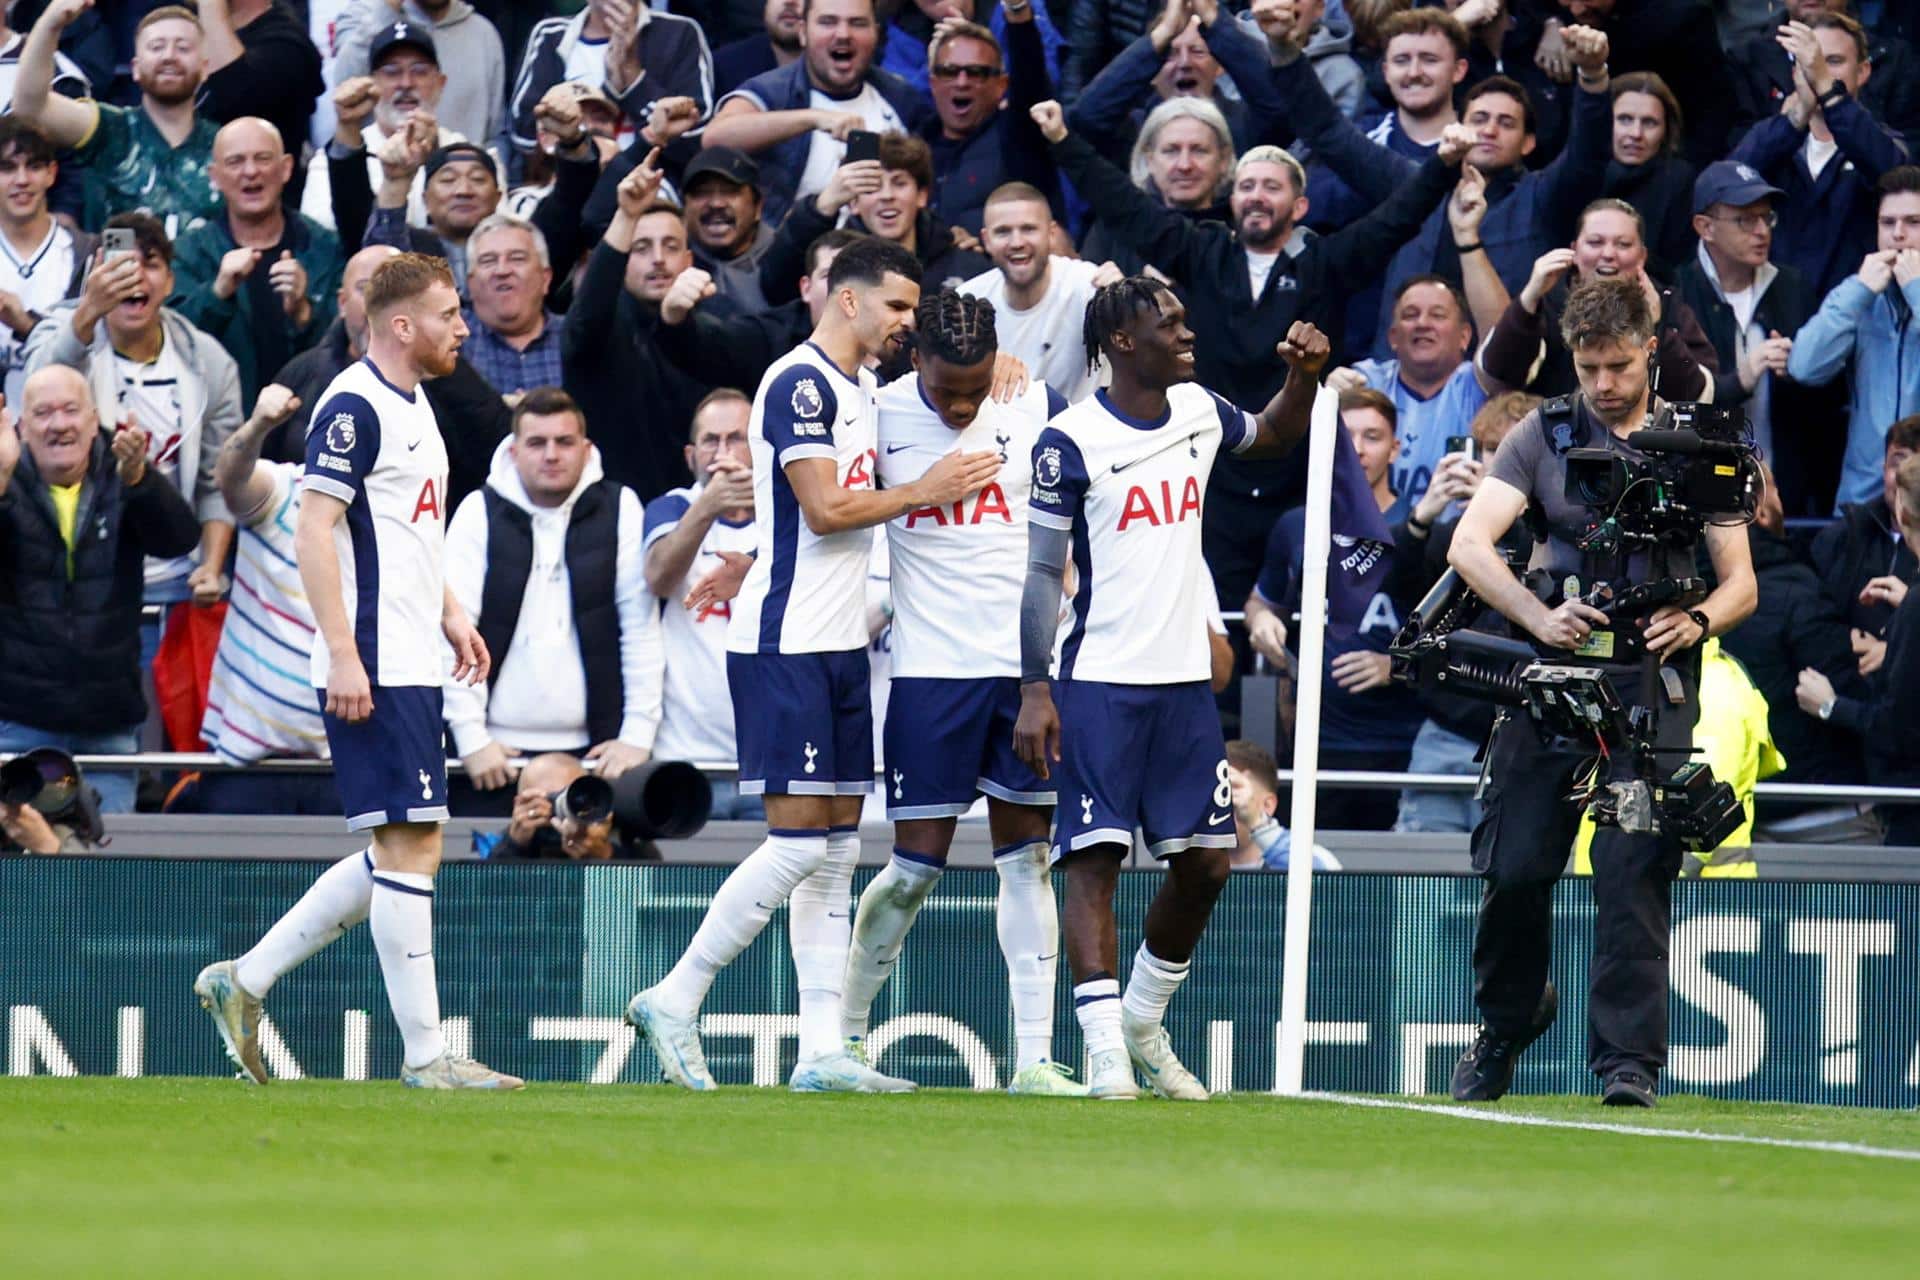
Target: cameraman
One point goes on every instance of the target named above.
(1521, 845)
(535, 832)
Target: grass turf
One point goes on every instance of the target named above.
(164, 1177)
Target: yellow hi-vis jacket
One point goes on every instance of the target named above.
(1733, 737)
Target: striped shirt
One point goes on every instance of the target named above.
(260, 701)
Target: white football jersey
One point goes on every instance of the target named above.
(806, 593)
(1131, 492)
(696, 719)
(379, 451)
(958, 570)
(39, 278)
(1047, 336)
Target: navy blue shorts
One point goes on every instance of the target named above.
(803, 722)
(948, 741)
(1148, 756)
(392, 766)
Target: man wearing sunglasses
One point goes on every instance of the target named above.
(981, 134)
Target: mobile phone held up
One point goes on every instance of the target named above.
(116, 242)
(862, 144)
(1464, 444)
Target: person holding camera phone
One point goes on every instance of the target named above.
(1522, 843)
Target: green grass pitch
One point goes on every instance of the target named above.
(202, 1178)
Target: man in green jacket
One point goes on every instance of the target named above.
(261, 279)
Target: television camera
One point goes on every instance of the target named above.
(1698, 469)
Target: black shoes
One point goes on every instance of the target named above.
(1627, 1087)
(1485, 1071)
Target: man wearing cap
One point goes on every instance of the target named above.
(635, 53)
(406, 82)
(721, 186)
(1750, 309)
(260, 279)
(1825, 151)
(462, 191)
(469, 54)
(153, 157)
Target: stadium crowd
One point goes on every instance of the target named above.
(640, 203)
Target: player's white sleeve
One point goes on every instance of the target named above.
(466, 569)
(643, 651)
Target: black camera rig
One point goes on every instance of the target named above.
(1699, 469)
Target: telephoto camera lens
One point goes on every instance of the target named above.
(587, 799)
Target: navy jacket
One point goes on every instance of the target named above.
(1763, 78)
(1007, 148)
(788, 89)
(1826, 223)
(1528, 213)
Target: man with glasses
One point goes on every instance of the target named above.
(1750, 308)
(406, 82)
(982, 135)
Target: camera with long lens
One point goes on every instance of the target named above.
(586, 800)
(659, 800)
(50, 780)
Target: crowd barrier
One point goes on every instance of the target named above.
(1782, 991)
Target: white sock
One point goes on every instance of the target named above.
(820, 923)
(745, 902)
(1096, 1003)
(402, 922)
(887, 911)
(333, 904)
(1152, 983)
(1029, 928)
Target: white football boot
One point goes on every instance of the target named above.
(845, 1071)
(450, 1071)
(1152, 1052)
(1110, 1077)
(675, 1041)
(236, 1016)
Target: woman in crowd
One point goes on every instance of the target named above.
(1648, 170)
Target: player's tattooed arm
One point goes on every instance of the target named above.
(1284, 422)
(1036, 734)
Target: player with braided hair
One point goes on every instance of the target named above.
(958, 570)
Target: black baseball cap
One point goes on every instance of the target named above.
(459, 151)
(734, 165)
(1730, 182)
(398, 32)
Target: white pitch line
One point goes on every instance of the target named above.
(1596, 1126)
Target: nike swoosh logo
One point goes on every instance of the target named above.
(418, 955)
(1118, 467)
(897, 448)
(1054, 956)
(1215, 819)
(839, 915)
(412, 445)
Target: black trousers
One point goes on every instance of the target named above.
(1521, 849)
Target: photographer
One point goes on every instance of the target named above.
(47, 807)
(1521, 845)
(536, 831)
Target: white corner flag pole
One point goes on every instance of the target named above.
(1306, 740)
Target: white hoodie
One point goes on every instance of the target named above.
(538, 701)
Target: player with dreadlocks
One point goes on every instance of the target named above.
(1119, 479)
(958, 570)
